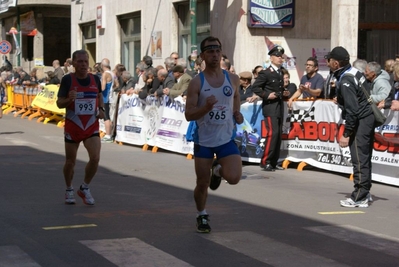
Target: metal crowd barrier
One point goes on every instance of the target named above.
(19, 102)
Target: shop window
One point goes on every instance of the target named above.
(130, 40)
(203, 25)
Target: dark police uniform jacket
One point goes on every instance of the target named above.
(269, 81)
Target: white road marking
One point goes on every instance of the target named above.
(268, 250)
(13, 256)
(361, 237)
(132, 252)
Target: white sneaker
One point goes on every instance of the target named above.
(69, 197)
(349, 203)
(85, 194)
(370, 199)
(107, 140)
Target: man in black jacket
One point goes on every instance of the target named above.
(270, 87)
(359, 124)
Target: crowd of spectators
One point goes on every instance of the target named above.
(172, 79)
(384, 83)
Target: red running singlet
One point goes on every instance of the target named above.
(81, 120)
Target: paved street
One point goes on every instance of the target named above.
(145, 213)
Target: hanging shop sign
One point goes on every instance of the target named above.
(271, 13)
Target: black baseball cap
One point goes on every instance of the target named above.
(338, 53)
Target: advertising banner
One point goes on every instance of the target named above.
(271, 13)
(311, 131)
(47, 99)
(152, 121)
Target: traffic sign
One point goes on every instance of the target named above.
(5, 47)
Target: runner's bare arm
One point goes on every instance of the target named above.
(235, 81)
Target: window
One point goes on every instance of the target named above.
(131, 40)
(203, 25)
(89, 41)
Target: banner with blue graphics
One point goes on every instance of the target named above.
(311, 131)
(153, 121)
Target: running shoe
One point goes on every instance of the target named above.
(349, 203)
(369, 197)
(202, 224)
(107, 140)
(85, 194)
(69, 197)
(215, 180)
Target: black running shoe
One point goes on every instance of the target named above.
(202, 224)
(215, 180)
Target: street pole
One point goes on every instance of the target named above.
(193, 16)
(19, 39)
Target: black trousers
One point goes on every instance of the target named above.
(361, 148)
(271, 131)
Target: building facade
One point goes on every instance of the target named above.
(126, 30)
(38, 31)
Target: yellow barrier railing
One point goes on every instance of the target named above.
(20, 99)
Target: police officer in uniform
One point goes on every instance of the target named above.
(270, 87)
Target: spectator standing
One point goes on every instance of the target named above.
(246, 94)
(166, 82)
(118, 82)
(51, 78)
(360, 65)
(169, 65)
(128, 83)
(80, 94)
(140, 68)
(225, 64)
(213, 100)
(32, 78)
(359, 125)
(312, 83)
(269, 86)
(180, 87)
(379, 79)
(57, 69)
(148, 62)
(389, 69)
(255, 73)
(289, 87)
(150, 79)
(174, 56)
(68, 66)
(393, 96)
(24, 77)
(107, 81)
(3, 92)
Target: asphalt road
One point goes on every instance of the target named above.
(145, 214)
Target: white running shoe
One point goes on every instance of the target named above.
(69, 197)
(349, 203)
(107, 140)
(85, 194)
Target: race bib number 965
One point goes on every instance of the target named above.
(217, 116)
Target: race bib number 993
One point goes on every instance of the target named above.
(85, 106)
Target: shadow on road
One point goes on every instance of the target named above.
(31, 197)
